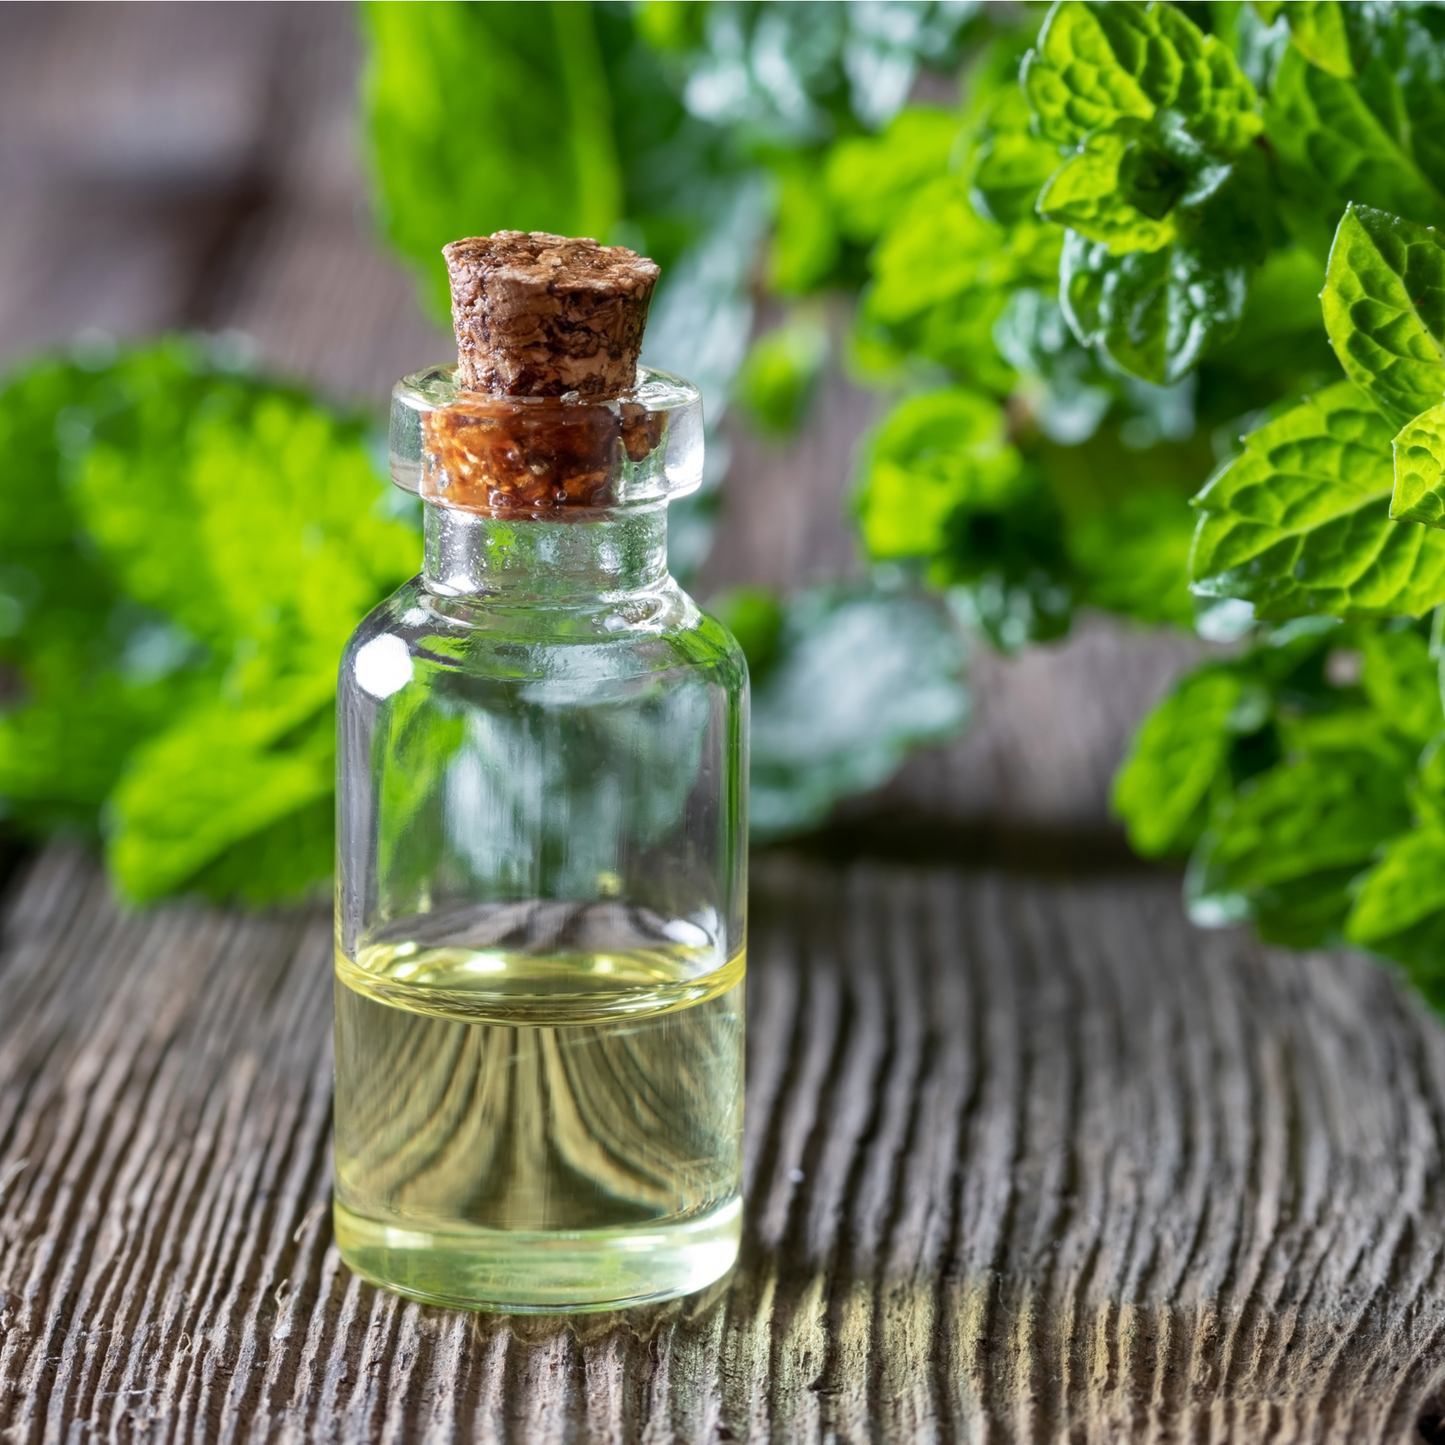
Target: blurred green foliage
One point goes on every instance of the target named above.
(1151, 254)
(781, 373)
(1126, 270)
(184, 550)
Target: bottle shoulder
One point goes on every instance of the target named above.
(659, 631)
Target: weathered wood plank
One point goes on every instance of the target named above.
(1026, 1161)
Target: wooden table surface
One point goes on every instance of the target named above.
(1028, 1158)
(1025, 1160)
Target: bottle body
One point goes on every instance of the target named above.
(540, 922)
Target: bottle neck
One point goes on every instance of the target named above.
(532, 562)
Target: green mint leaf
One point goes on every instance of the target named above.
(1012, 584)
(1156, 313)
(779, 376)
(942, 274)
(1124, 182)
(935, 453)
(289, 860)
(1398, 63)
(1402, 683)
(1333, 149)
(1153, 313)
(1299, 522)
(1165, 198)
(1403, 890)
(51, 598)
(1317, 29)
(1280, 341)
(1384, 309)
(1419, 494)
(862, 676)
(1284, 850)
(97, 672)
(250, 516)
(1268, 10)
(1009, 163)
(486, 117)
(63, 749)
(941, 482)
(245, 512)
(1087, 194)
(1134, 558)
(1161, 791)
(1096, 64)
(217, 777)
(1007, 566)
(805, 247)
(1064, 385)
(1429, 795)
(870, 178)
(192, 549)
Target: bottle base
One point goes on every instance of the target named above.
(543, 1271)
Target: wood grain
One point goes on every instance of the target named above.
(1025, 1162)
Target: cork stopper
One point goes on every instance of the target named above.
(543, 315)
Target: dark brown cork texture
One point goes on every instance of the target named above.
(543, 315)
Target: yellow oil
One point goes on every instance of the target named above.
(517, 1131)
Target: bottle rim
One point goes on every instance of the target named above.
(545, 457)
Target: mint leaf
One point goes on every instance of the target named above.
(215, 779)
(289, 860)
(197, 547)
(244, 512)
(1399, 908)
(805, 248)
(870, 178)
(1419, 494)
(49, 597)
(1317, 28)
(64, 747)
(1162, 789)
(1402, 683)
(1332, 149)
(97, 672)
(1153, 313)
(1163, 239)
(1161, 119)
(942, 276)
(1134, 558)
(250, 516)
(1384, 308)
(1283, 851)
(1399, 905)
(1009, 164)
(485, 117)
(779, 377)
(1085, 194)
(935, 453)
(1097, 64)
(862, 676)
(1299, 521)
(1064, 386)
(1280, 341)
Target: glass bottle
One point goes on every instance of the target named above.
(541, 870)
